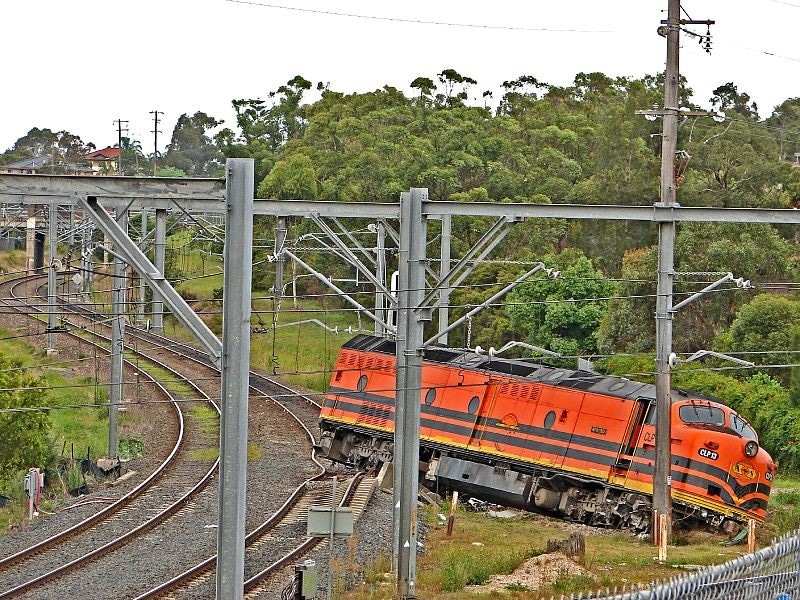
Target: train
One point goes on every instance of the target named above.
(569, 443)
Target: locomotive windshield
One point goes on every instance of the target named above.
(701, 413)
(742, 427)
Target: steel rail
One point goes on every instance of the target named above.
(144, 527)
(303, 548)
(111, 509)
(207, 565)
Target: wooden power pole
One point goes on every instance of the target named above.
(662, 497)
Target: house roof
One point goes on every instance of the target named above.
(104, 154)
(29, 163)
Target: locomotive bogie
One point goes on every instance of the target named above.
(570, 443)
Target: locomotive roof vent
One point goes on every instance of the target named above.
(581, 380)
(508, 367)
(622, 388)
(441, 354)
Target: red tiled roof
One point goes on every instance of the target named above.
(104, 154)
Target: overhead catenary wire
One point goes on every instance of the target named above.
(290, 396)
(416, 21)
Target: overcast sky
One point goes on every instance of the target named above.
(78, 66)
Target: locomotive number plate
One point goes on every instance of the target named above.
(709, 454)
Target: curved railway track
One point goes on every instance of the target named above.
(123, 519)
(268, 541)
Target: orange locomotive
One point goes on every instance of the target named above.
(573, 443)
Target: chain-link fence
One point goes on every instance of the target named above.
(772, 573)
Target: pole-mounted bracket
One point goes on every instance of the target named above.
(131, 254)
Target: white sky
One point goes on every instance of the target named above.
(78, 66)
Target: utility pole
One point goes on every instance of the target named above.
(120, 129)
(52, 280)
(662, 490)
(281, 230)
(662, 479)
(155, 133)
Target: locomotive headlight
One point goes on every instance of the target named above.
(751, 449)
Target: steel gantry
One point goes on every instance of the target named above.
(415, 302)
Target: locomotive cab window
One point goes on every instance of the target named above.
(701, 413)
(650, 416)
(474, 403)
(362, 383)
(740, 426)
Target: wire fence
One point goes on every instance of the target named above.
(772, 573)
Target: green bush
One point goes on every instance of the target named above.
(463, 567)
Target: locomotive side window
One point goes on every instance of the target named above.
(701, 413)
(474, 403)
(430, 396)
(362, 383)
(650, 417)
(549, 419)
(740, 426)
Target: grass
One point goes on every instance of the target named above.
(78, 427)
(482, 546)
(303, 354)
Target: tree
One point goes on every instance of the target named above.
(768, 327)
(275, 124)
(520, 94)
(169, 172)
(703, 251)
(63, 146)
(426, 87)
(449, 79)
(785, 120)
(24, 434)
(727, 97)
(35, 143)
(292, 178)
(562, 315)
(191, 149)
(134, 161)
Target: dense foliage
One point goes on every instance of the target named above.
(24, 434)
(539, 143)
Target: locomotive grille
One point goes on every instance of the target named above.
(522, 392)
(350, 358)
(372, 414)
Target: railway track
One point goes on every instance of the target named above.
(273, 541)
(175, 483)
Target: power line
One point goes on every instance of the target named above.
(785, 3)
(418, 21)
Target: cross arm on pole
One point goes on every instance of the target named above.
(348, 254)
(355, 242)
(477, 253)
(486, 303)
(330, 284)
(740, 282)
(675, 360)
